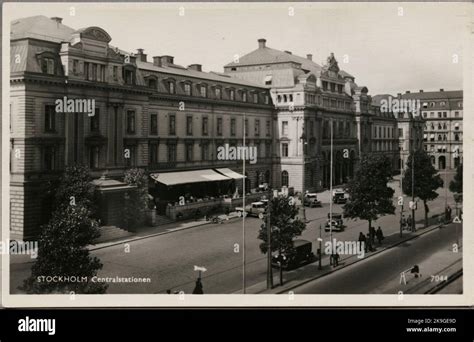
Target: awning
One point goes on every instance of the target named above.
(184, 177)
(231, 174)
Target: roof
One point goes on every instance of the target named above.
(266, 55)
(213, 76)
(433, 95)
(40, 27)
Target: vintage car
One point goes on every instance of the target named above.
(339, 196)
(311, 200)
(301, 255)
(253, 209)
(336, 222)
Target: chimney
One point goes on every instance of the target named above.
(167, 60)
(197, 67)
(407, 92)
(309, 56)
(57, 19)
(141, 56)
(421, 90)
(288, 52)
(441, 89)
(399, 94)
(262, 43)
(157, 61)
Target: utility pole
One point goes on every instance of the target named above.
(303, 139)
(330, 192)
(401, 193)
(320, 251)
(269, 246)
(244, 285)
(413, 224)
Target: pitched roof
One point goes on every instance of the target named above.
(433, 95)
(266, 55)
(40, 27)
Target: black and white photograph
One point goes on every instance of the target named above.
(178, 150)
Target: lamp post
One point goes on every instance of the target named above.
(303, 209)
(320, 251)
(330, 190)
(413, 225)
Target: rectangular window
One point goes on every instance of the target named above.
(205, 126)
(268, 128)
(244, 96)
(75, 66)
(94, 154)
(50, 119)
(187, 89)
(219, 126)
(267, 99)
(284, 150)
(172, 124)
(95, 121)
(171, 152)
(94, 72)
(268, 149)
(400, 132)
(255, 98)
(456, 114)
(189, 125)
(171, 87)
(205, 151)
(218, 93)
(232, 127)
(189, 152)
(128, 77)
(130, 121)
(232, 94)
(284, 128)
(203, 91)
(246, 124)
(311, 129)
(130, 159)
(257, 127)
(47, 66)
(49, 158)
(86, 70)
(153, 154)
(115, 72)
(153, 123)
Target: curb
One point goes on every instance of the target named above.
(349, 264)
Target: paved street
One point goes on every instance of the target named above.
(169, 259)
(381, 273)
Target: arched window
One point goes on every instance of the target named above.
(284, 178)
(440, 137)
(279, 98)
(456, 136)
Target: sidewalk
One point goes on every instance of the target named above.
(146, 232)
(302, 275)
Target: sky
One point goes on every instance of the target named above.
(388, 47)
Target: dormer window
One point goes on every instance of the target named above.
(218, 93)
(47, 66)
(129, 74)
(171, 87)
(152, 83)
(268, 80)
(232, 94)
(203, 90)
(255, 98)
(187, 89)
(244, 96)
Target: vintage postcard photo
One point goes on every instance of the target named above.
(302, 153)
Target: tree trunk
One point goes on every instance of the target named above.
(370, 225)
(426, 213)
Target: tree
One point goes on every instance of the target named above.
(136, 200)
(426, 179)
(63, 241)
(456, 184)
(369, 194)
(285, 226)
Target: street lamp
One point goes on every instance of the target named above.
(330, 189)
(413, 224)
(244, 284)
(320, 251)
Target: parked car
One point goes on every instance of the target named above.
(311, 200)
(339, 196)
(253, 209)
(302, 255)
(336, 222)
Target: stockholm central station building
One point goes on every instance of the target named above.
(170, 119)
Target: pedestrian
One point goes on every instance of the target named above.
(403, 222)
(416, 271)
(363, 241)
(370, 247)
(372, 235)
(198, 289)
(336, 260)
(379, 234)
(449, 213)
(409, 222)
